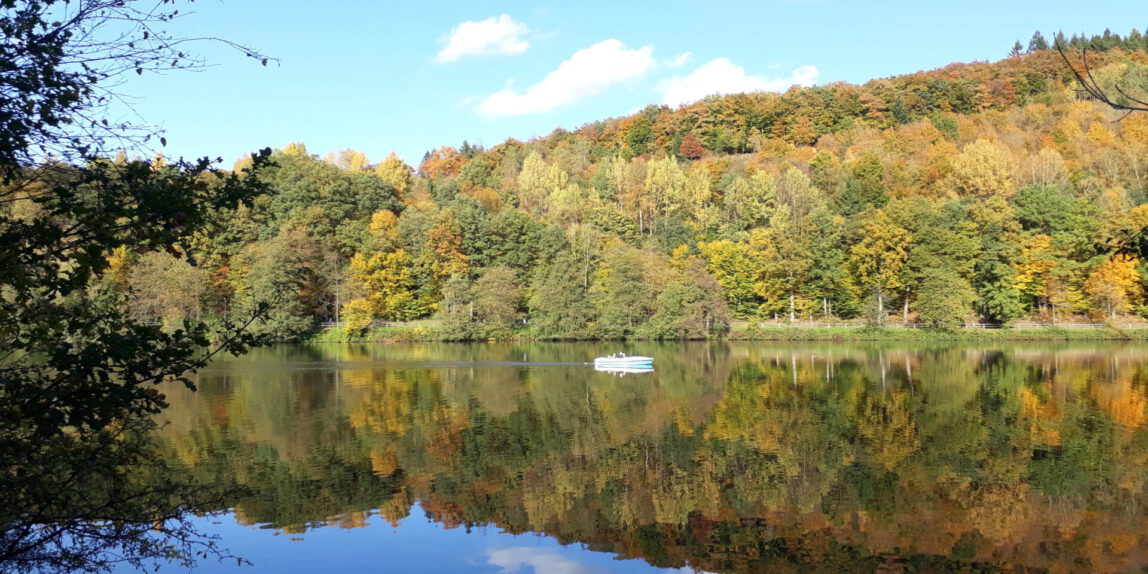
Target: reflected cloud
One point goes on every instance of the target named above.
(542, 560)
(548, 561)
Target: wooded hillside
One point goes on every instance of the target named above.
(981, 192)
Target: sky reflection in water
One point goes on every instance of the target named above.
(416, 545)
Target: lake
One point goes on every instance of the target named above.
(729, 457)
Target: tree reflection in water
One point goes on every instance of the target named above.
(730, 457)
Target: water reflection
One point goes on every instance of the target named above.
(728, 458)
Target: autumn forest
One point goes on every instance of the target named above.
(144, 398)
(974, 193)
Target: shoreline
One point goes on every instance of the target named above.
(408, 334)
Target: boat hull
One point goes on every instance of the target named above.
(625, 370)
(636, 362)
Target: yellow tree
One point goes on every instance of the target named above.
(383, 231)
(736, 268)
(983, 169)
(749, 199)
(1045, 274)
(397, 173)
(386, 290)
(785, 267)
(537, 181)
(444, 246)
(1114, 285)
(797, 194)
(876, 259)
(666, 187)
(570, 205)
(349, 160)
(698, 194)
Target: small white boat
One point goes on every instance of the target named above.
(622, 361)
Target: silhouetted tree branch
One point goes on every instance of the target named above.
(1089, 85)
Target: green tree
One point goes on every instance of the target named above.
(691, 306)
(279, 271)
(943, 240)
(559, 304)
(749, 199)
(166, 289)
(456, 310)
(994, 277)
(944, 298)
(497, 298)
(828, 279)
(621, 291)
(784, 253)
(1037, 42)
(865, 186)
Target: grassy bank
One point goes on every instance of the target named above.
(799, 333)
(393, 334)
(396, 334)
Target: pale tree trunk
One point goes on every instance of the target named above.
(905, 309)
(880, 308)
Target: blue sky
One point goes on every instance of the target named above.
(412, 76)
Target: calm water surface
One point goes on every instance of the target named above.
(730, 457)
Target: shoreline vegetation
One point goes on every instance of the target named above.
(429, 331)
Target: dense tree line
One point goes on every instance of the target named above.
(1107, 40)
(983, 192)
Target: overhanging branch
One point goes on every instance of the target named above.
(1089, 85)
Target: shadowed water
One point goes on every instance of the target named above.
(731, 457)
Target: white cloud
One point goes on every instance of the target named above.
(721, 76)
(501, 35)
(680, 60)
(587, 73)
